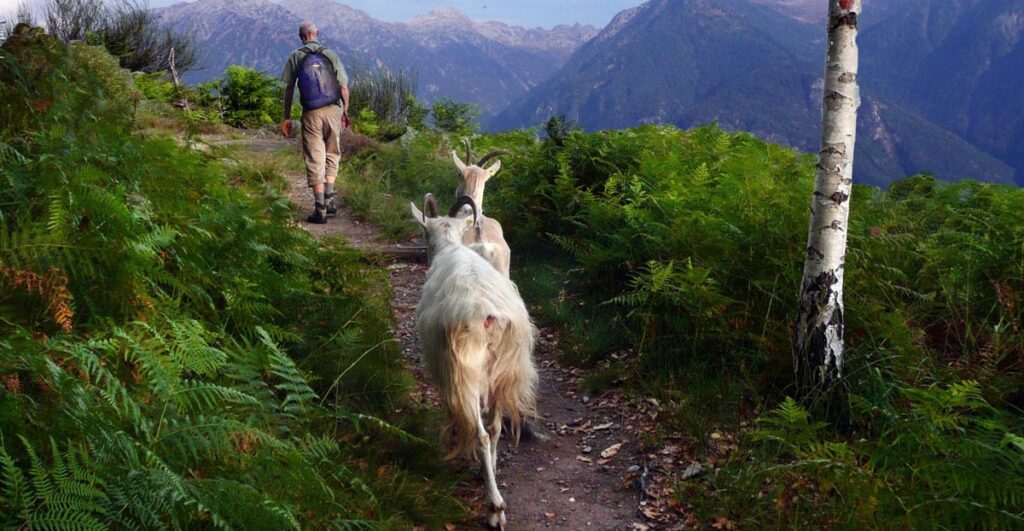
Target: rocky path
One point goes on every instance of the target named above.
(591, 473)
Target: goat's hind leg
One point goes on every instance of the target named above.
(495, 433)
(496, 509)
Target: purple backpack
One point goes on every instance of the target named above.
(318, 81)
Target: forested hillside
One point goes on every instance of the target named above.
(938, 80)
(174, 352)
(958, 64)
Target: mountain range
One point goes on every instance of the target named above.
(941, 79)
(486, 63)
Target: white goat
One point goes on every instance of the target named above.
(487, 237)
(477, 342)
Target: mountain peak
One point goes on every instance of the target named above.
(442, 16)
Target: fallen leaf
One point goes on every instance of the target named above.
(649, 512)
(604, 426)
(669, 450)
(692, 471)
(610, 452)
(723, 522)
(584, 459)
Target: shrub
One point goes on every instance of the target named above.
(155, 86)
(249, 97)
(455, 117)
(943, 458)
(383, 103)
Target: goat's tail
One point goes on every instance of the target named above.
(514, 374)
(465, 387)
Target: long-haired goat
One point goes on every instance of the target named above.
(487, 237)
(477, 342)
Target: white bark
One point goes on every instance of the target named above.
(183, 103)
(819, 348)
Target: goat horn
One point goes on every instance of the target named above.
(496, 153)
(469, 151)
(461, 202)
(429, 206)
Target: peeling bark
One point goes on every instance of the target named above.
(819, 335)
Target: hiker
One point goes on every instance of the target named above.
(323, 84)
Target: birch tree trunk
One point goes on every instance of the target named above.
(183, 102)
(819, 334)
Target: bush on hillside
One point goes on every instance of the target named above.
(383, 103)
(126, 28)
(249, 97)
(455, 117)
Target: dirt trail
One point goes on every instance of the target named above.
(590, 474)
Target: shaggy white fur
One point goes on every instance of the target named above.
(478, 341)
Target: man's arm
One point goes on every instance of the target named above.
(288, 78)
(339, 69)
(289, 96)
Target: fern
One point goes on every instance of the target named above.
(65, 495)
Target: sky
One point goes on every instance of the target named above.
(529, 13)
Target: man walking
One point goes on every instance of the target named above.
(323, 84)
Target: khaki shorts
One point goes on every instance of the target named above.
(321, 143)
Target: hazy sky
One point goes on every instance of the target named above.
(519, 12)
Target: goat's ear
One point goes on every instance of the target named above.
(418, 215)
(461, 166)
(493, 169)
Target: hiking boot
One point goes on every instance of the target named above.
(332, 206)
(319, 216)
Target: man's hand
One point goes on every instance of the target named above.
(286, 128)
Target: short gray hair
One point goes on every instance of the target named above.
(307, 29)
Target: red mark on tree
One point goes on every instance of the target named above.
(846, 4)
(489, 321)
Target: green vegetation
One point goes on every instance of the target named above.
(173, 352)
(126, 28)
(250, 97)
(455, 117)
(383, 103)
(671, 260)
